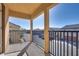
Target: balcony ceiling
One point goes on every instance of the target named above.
(27, 10)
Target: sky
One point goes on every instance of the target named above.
(25, 24)
(59, 16)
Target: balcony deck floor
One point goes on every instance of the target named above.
(33, 50)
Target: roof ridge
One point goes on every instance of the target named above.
(14, 24)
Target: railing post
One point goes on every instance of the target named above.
(46, 31)
(5, 28)
(31, 28)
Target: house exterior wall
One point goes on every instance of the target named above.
(13, 27)
(15, 37)
(14, 34)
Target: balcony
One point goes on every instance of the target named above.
(38, 43)
(62, 43)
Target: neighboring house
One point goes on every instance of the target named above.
(14, 26)
(14, 35)
(18, 34)
(73, 26)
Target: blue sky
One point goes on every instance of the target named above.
(60, 15)
(64, 14)
(21, 22)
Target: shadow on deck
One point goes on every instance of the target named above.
(32, 50)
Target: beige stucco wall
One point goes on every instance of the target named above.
(0, 28)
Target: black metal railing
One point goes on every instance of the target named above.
(64, 43)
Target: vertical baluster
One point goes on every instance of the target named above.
(55, 43)
(72, 43)
(10, 36)
(67, 44)
(77, 43)
(16, 34)
(50, 35)
(60, 44)
(13, 35)
(63, 43)
(51, 42)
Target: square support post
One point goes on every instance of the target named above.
(31, 28)
(5, 28)
(0, 28)
(46, 31)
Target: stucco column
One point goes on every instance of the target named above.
(0, 28)
(5, 28)
(31, 28)
(46, 31)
